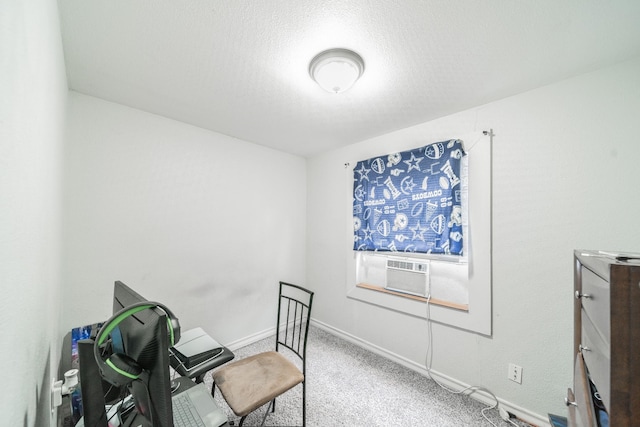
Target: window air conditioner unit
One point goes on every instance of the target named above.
(408, 276)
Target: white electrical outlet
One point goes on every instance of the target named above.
(515, 373)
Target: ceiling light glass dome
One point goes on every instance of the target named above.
(336, 70)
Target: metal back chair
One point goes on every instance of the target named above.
(250, 383)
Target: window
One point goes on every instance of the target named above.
(451, 259)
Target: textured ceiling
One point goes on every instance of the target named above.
(239, 67)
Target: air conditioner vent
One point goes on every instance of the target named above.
(411, 277)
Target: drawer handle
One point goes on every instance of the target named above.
(579, 295)
(581, 348)
(569, 402)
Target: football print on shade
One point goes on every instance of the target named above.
(410, 201)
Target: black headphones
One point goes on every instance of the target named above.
(120, 369)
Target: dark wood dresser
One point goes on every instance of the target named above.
(606, 340)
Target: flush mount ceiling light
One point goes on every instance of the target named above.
(336, 70)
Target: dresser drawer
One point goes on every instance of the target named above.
(597, 304)
(597, 357)
(581, 412)
(571, 409)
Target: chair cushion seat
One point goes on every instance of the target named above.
(249, 383)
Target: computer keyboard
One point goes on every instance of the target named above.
(184, 413)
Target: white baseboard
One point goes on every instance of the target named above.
(269, 332)
(234, 345)
(455, 385)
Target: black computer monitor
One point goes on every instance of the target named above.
(144, 337)
(95, 391)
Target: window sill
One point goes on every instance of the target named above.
(434, 301)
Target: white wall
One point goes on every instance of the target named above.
(32, 103)
(565, 172)
(139, 206)
(202, 222)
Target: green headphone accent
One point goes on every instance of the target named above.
(120, 369)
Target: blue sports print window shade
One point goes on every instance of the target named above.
(410, 201)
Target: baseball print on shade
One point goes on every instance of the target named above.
(410, 201)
